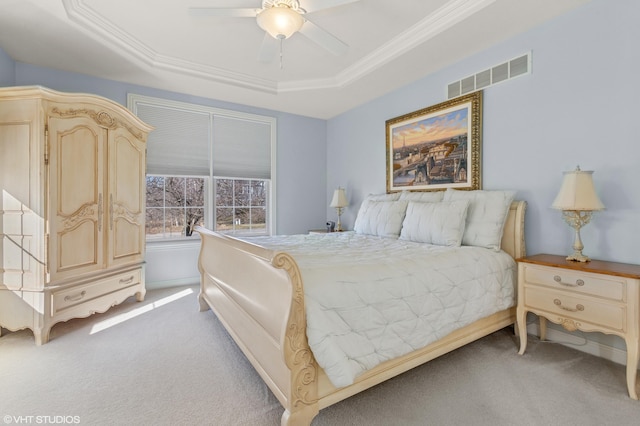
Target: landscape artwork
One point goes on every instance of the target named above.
(437, 147)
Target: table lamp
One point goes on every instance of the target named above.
(339, 201)
(577, 199)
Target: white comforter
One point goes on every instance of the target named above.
(370, 299)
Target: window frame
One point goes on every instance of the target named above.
(184, 207)
(134, 100)
(235, 206)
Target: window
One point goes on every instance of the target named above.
(175, 206)
(207, 167)
(241, 205)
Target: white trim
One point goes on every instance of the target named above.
(133, 99)
(155, 285)
(173, 244)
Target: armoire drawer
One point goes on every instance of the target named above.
(82, 293)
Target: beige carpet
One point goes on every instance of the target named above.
(161, 362)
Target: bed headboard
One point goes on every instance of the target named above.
(513, 234)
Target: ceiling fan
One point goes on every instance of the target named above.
(281, 19)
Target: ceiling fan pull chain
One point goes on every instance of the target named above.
(280, 38)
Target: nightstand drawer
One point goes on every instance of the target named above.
(604, 314)
(609, 287)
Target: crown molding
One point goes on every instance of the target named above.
(83, 15)
(435, 23)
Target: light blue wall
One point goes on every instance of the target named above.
(7, 69)
(579, 106)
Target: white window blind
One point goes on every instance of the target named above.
(179, 143)
(241, 148)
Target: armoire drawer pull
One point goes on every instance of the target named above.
(558, 279)
(76, 297)
(126, 280)
(578, 307)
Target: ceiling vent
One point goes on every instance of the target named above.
(494, 75)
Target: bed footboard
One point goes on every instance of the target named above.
(257, 295)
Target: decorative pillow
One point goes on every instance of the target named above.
(486, 215)
(435, 223)
(428, 197)
(381, 218)
(394, 196)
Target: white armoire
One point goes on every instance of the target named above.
(72, 208)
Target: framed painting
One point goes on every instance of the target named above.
(437, 147)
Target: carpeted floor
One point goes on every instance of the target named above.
(161, 362)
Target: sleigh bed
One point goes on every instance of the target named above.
(256, 287)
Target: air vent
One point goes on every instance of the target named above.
(494, 75)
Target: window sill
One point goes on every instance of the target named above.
(173, 244)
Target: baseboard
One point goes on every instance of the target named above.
(581, 343)
(156, 285)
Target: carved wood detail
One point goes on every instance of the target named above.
(298, 355)
(102, 118)
(119, 210)
(86, 211)
(569, 324)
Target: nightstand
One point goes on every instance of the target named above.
(318, 231)
(593, 296)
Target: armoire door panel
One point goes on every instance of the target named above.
(128, 167)
(126, 239)
(77, 170)
(126, 204)
(77, 149)
(78, 247)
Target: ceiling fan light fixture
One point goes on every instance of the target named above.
(280, 21)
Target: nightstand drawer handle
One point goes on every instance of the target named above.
(75, 298)
(558, 279)
(576, 309)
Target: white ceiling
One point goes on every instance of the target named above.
(158, 43)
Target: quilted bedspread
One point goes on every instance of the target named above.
(369, 299)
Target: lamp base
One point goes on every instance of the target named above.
(339, 224)
(577, 219)
(577, 256)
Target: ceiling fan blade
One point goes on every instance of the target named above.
(224, 12)
(323, 38)
(268, 49)
(314, 5)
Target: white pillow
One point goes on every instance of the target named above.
(381, 218)
(486, 215)
(435, 223)
(429, 197)
(393, 196)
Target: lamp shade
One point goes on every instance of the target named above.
(339, 198)
(280, 21)
(577, 192)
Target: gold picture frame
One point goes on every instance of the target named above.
(437, 147)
